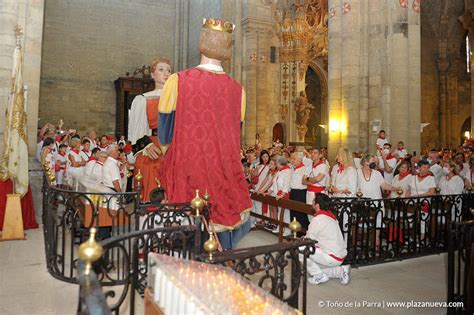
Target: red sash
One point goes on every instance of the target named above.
(316, 189)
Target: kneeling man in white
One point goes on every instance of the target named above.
(331, 248)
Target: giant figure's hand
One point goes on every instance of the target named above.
(153, 152)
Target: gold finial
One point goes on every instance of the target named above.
(295, 226)
(359, 194)
(210, 245)
(90, 251)
(437, 190)
(139, 177)
(218, 25)
(197, 203)
(206, 197)
(158, 183)
(400, 192)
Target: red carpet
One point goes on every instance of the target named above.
(27, 207)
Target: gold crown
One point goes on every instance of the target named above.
(218, 25)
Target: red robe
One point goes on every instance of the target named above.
(149, 168)
(204, 152)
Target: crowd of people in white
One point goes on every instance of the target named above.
(106, 165)
(103, 165)
(297, 174)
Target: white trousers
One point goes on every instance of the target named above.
(321, 262)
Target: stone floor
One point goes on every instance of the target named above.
(27, 288)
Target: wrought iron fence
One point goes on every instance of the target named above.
(123, 269)
(67, 217)
(389, 229)
(460, 267)
(398, 228)
(269, 266)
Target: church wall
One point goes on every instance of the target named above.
(429, 85)
(89, 44)
(199, 9)
(29, 15)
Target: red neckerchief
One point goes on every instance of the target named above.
(317, 164)
(326, 213)
(340, 169)
(423, 176)
(402, 176)
(85, 150)
(286, 167)
(100, 145)
(75, 150)
(62, 154)
(92, 159)
(401, 149)
(389, 156)
(299, 166)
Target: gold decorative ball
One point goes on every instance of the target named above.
(437, 190)
(207, 196)
(197, 202)
(139, 176)
(400, 191)
(359, 194)
(295, 226)
(210, 245)
(90, 250)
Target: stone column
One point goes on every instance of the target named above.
(249, 77)
(467, 21)
(443, 65)
(29, 15)
(334, 74)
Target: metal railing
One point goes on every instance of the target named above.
(460, 268)
(382, 230)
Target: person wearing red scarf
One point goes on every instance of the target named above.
(317, 177)
(402, 179)
(331, 249)
(387, 162)
(298, 188)
(281, 186)
(422, 185)
(85, 152)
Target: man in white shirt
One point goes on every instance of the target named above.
(91, 136)
(317, 176)
(464, 169)
(387, 162)
(435, 168)
(111, 171)
(381, 140)
(298, 189)
(94, 168)
(331, 249)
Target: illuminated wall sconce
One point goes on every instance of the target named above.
(334, 125)
(467, 134)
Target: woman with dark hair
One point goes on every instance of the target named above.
(258, 176)
(422, 185)
(47, 153)
(402, 179)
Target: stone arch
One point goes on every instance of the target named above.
(319, 66)
(279, 132)
(466, 126)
